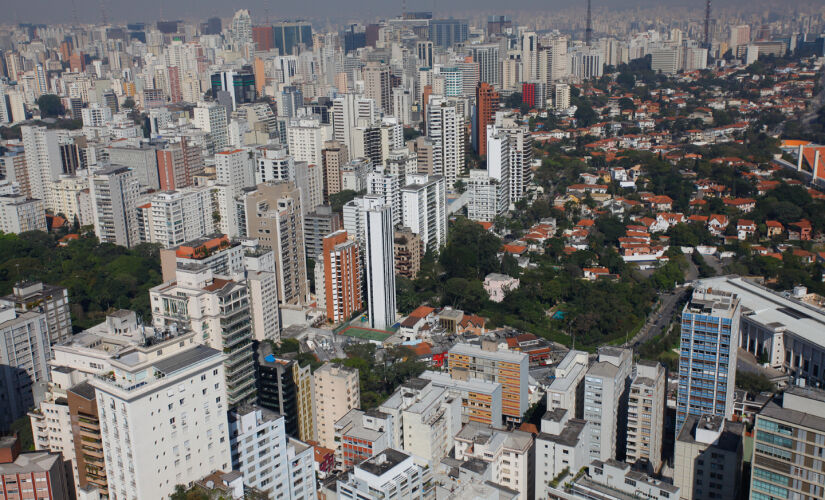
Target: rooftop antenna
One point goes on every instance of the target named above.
(103, 11)
(588, 32)
(74, 13)
(707, 25)
(403, 9)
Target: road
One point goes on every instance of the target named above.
(817, 102)
(660, 319)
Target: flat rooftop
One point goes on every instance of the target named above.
(772, 310)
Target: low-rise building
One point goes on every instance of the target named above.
(510, 453)
(561, 449)
(390, 474)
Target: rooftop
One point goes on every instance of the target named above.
(383, 462)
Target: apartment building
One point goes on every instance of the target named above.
(407, 250)
(708, 457)
(114, 193)
(218, 310)
(645, 414)
(424, 209)
(38, 474)
(163, 421)
(362, 435)
(24, 353)
(605, 402)
(425, 416)
(566, 391)
(510, 454)
(790, 434)
(707, 357)
(390, 474)
(480, 400)
(272, 463)
(216, 251)
(338, 277)
(336, 391)
(285, 387)
(19, 214)
(487, 363)
(561, 447)
(53, 301)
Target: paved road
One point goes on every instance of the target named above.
(817, 102)
(659, 320)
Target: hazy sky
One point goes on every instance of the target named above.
(60, 11)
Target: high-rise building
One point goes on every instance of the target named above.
(408, 251)
(216, 308)
(377, 85)
(424, 209)
(707, 359)
(241, 27)
(270, 461)
(339, 268)
(317, 224)
(487, 363)
(175, 217)
(529, 56)
(645, 414)
(786, 429)
(486, 107)
(40, 474)
(263, 37)
(53, 301)
(486, 56)
(274, 217)
(114, 193)
(605, 402)
(239, 85)
(211, 118)
(24, 354)
(486, 199)
(445, 129)
(520, 153)
(560, 446)
(163, 420)
(348, 112)
(334, 155)
(87, 438)
(448, 32)
(561, 96)
(289, 35)
(498, 164)
(336, 391)
(285, 387)
(43, 162)
(708, 458)
(306, 140)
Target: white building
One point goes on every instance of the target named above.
(24, 353)
(380, 266)
(388, 187)
(561, 447)
(605, 401)
(445, 129)
(43, 162)
(96, 115)
(306, 138)
(424, 208)
(511, 455)
(211, 117)
(263, 301)
(335, 391)
(278, 466)
(163, 421)
(235, 168)
(425, 416)
(114, 193)
(218, 310)
(565, 390)
(486, 200)
(18, 214)
(498, 164)
(390, 474)
(176, 217)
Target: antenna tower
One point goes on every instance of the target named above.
(707, 25)
(588, 32)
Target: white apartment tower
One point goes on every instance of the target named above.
(163, 421)
(211, 118)
(605, 385)
(445, 130)
(114, 192)
(380, 266)
(43, 163)
(424, 208)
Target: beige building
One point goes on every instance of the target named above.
(273, 217)
(708, 457)
(407, 253)
(334, 156)
(335, 392)
(645, 414)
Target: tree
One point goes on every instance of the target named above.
(626, 103)
(585, 116)
(50, 106)
(338, 200)
(626, 80)
(129, 103)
